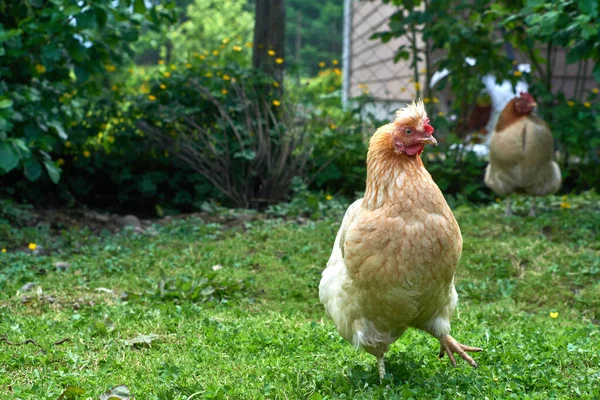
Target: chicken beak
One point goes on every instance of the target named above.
(428, 140)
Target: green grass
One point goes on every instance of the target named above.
(255, 329)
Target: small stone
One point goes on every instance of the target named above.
(61, 265)
(130, 220)
(104, 290)
(27, 287)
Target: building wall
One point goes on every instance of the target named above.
(371, 68)
(371, 62)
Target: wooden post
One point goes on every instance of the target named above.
(269, 35)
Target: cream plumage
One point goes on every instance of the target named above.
(521, 153)
(394, 258)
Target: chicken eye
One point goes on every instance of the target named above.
(408, 131)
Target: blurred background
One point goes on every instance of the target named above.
(166, 107)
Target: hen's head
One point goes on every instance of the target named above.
(411, 130)
(524, 104)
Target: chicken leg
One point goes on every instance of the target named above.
(381, 368)
(449, 345)
(508, 211)
(533, 209)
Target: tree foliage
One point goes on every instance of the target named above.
(210, 21)
(56, 57)
(320, 25)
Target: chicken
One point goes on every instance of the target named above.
(521, 154)
(480, 114)
(395, 255)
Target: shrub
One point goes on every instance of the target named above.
(56, 56)
(228, 125)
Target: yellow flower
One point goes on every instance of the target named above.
(40, 68)
(517, 73)
(279, 60)
(440, 114)
(130, 70)
(4, 250)
(565, 204)
(152, 97)
(67, 144)
(32, 246)
(328, 197)
(237, 48)
(188, 65)
(60, 161)
(110, 68)
(86, 154)
(226, 77)
(271, 52)
(208, 74)
(111, 139)
(201, 56)
(173, 67)
(587, 104)
(226, 40)
(335, 62)
(215, 52)
(276, 84)
(435, 100)
(249, 44)
(403, 89)
(332, 126)
(163, 86)
(337, 71)
(166, 74)
(321, 64)
(114, 88)
(161, 62)
(276, 103)
(553, 314)
(570, 103)
(426, 100)
(595, 90)
(417, 86)
(224, 91)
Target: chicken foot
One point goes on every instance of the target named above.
(533, 209)
(449, 345)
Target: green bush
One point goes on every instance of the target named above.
(56, 56)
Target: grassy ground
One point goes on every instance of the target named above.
(255, 329)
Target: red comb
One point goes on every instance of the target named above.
(527, 96)
(426, 127)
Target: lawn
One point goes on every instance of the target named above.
(232, 311)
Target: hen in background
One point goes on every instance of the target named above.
(521, 154)
(395, 255)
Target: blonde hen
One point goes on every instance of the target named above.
(522, 153)
(395, 255)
